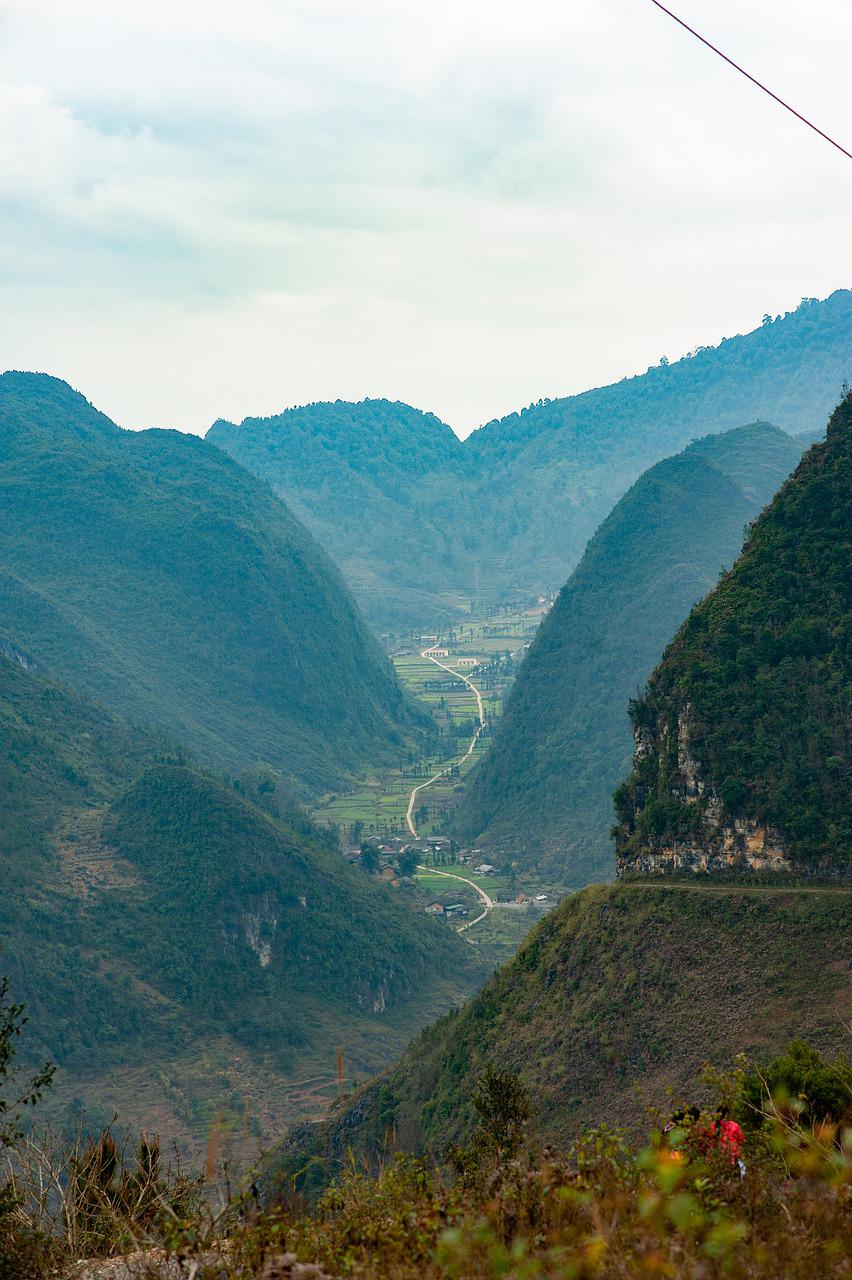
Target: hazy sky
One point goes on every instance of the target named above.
(219, 209)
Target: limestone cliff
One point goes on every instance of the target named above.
(741, 754)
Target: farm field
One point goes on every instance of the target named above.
(496, 639)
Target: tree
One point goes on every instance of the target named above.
(408, 862)
(15, 1093)
(370, 855)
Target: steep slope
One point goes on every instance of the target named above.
(178, 947)
(742, 738)
(543, 790)
(618, 995)
(549, 475)
(381, 485)
(152, 572)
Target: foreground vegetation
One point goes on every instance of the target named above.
(678, 1204)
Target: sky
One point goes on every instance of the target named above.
(214, 209)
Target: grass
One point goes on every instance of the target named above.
(619, 995)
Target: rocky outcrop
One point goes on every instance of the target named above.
(741, 844)
(719, 841)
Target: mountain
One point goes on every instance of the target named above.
(420, 523)
(742, 737)
(183, 944)
(380, 485)
(150, 571)
(542, 792)
(620, 994)
(549, 475)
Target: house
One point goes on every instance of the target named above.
(484, 869)
(541, 897)
(455, 909)
(437, 653)
(467, 662)
(434, 909)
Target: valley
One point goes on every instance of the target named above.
(463, 674)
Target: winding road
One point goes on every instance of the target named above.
(409, 817)
(489, 902)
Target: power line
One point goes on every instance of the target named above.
(752, 78)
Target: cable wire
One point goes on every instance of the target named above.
(752, 78)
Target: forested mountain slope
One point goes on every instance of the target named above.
(151, 571)
(618, 995)
(549, 475)
(543, 791)
(180, 948)
(382, 487)
(415, 519)
(742, 738)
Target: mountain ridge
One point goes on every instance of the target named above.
(742, 735)
(516, 502)
(150, 570)
(541, 793)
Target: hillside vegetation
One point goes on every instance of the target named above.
(382, 487)
(150, 571)
(619, 994)
(743, 734)
(542, 792)
(182, 942)
(416, 519)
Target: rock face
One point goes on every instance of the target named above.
(741, 757)
(721, 842)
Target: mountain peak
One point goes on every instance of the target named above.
(741, 751)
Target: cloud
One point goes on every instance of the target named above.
(218, 208)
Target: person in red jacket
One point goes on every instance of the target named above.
(725, 1135)
(722, 1134)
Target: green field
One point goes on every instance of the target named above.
(381, 802)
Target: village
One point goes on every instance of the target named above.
(393, 826)
(451, 883)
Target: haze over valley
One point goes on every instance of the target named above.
(425, 823)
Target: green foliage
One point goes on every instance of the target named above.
(15, 1093)
(818, 1092)
(607, 1209)
(150, 910)
(614, 999)
(150, 571)
(758, 679)
(564, 740)
(411, 514)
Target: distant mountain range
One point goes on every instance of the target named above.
(420, 522)
(542, 793)
(742, 737)
(150, 571)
